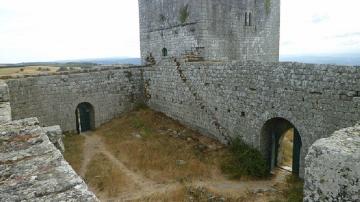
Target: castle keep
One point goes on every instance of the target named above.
(210, 30)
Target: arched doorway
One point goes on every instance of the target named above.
(281, 144)
(85, 118)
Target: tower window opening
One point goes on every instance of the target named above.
(246, 18)
(249, 23)
(164, 52)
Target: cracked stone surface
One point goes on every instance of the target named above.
(55, 135)
(332, 170)
(33, 169)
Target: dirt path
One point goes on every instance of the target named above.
(243, 187)
(94, 145)
(145, 187)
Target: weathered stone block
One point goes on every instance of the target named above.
(4, 92)
(32, 169)
(332, 170)
(5, 112)
(55, 135)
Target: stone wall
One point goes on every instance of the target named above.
(225, 36)
(53, 99)
(228, 99)
(160, 27)
(221, 99)
(332, 170)
(215, 29)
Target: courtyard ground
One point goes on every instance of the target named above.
(146, 156)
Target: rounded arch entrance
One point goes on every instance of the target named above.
(85, 117)
(281, 144)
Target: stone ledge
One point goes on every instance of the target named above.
(32, 169)
(55, 136)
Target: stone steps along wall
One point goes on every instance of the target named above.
(316, 99)
(332, 170)
(53, 99)
(224, 134)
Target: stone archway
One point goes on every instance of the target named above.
(85, 117)
(276, 135)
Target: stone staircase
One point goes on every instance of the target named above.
(223, 132)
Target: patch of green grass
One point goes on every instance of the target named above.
(267, 6)
(184, 14)
(244, 161)
(293, 192)
(140, 106)
(145, 129)
(146, 132)
(137, 123)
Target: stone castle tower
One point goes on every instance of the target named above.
(210, 29)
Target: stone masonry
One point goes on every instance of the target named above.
(219, 97)
(53, 98)
(32, 169)
(222, 99)
(55, 136)
(215, 30)
(332, 170)
(229, 99)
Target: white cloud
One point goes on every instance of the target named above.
(312, 26)
(41, 30)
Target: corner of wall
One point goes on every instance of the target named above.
(5, 109)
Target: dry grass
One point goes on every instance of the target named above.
(74, 150)
(103, 176)
(198, 194)
(292, 191)
(286, 149)
(27, 70)
(174, 196)
(142, 141)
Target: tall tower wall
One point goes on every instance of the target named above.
(213, 29)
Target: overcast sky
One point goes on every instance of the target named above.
(46, 30)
